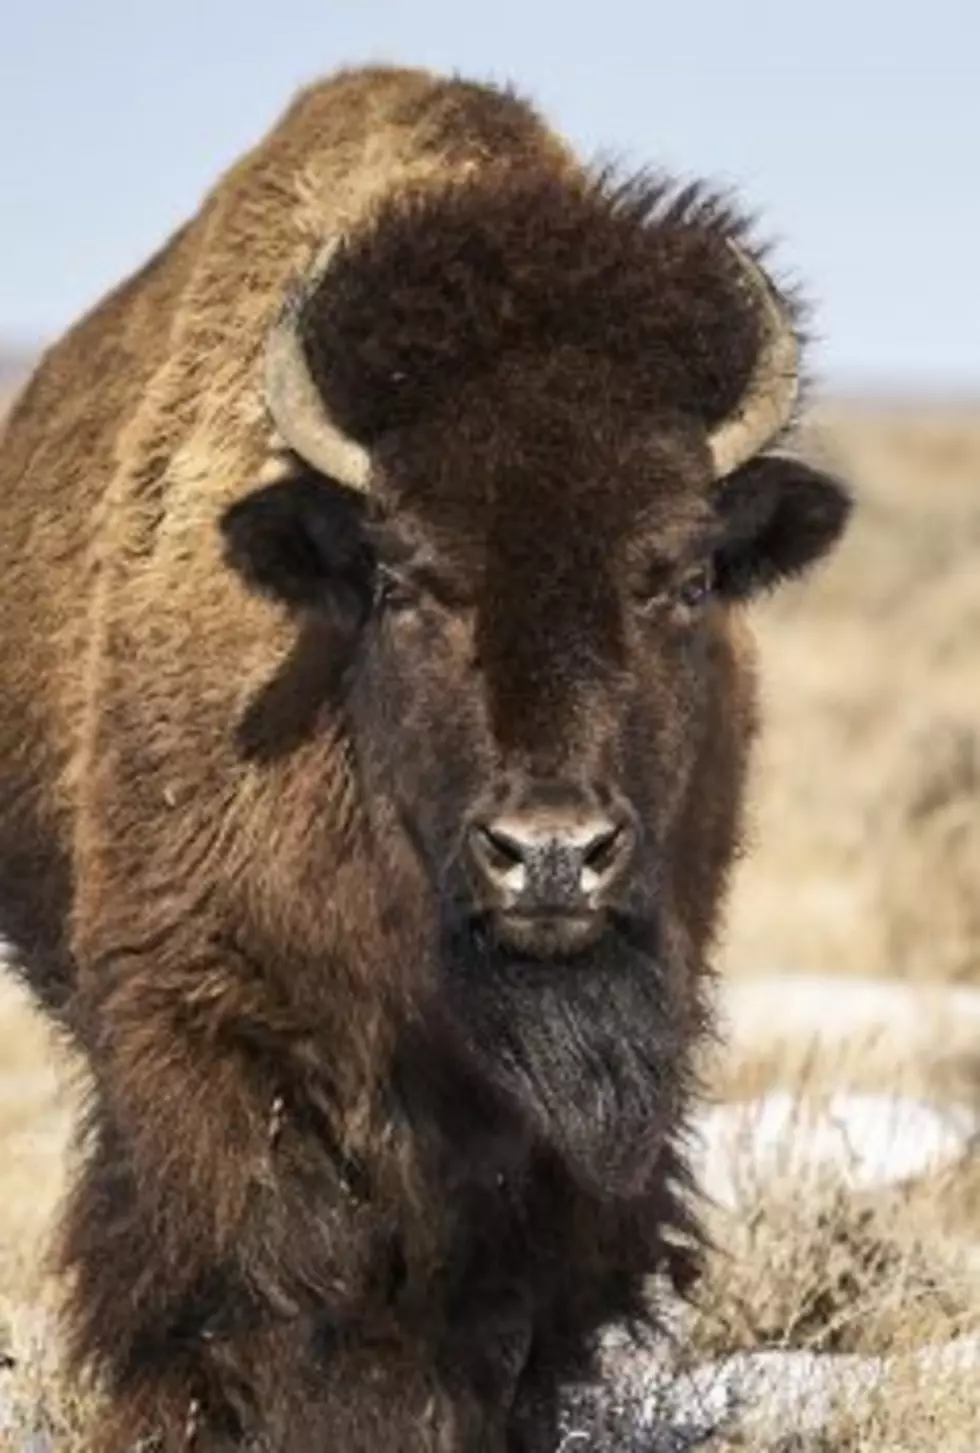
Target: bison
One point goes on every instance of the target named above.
(376, 702)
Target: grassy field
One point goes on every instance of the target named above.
(866, 838)
(864, 860)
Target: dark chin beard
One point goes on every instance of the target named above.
(591, 1051)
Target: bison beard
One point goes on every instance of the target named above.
(591, 1051)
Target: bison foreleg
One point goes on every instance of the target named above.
(227, 1284)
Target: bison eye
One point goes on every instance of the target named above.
(684, 595)
(694, 589)
(393, 591)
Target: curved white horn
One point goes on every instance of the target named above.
(294, 401)
(767, 403)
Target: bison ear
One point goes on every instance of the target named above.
(299, 542)
(780, 516)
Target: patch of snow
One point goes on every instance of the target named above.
(834, 1010)
(645, 1402)
(862, 1140)
(31, 1345)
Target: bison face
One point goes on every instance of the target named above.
(532, 687)
(540, 672)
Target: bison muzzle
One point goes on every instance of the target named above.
(376, 705)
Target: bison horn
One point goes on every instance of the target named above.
(767, 403)
(294, 401)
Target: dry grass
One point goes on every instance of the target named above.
(813, 1268)
(865, 860)
(866, 842)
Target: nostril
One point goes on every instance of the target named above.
(604, 855)
(601, 851)
(499, 847)
(500, 856)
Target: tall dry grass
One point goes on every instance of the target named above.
(865, 841)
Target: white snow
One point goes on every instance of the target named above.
(862, 1140)
(750, 1391)
(916, 1020)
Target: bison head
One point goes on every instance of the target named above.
(531, 494)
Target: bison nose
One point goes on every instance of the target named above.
(537, 862)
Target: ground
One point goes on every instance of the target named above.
(863, 860)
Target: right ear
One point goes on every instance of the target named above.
(781, 515)
(300, 542)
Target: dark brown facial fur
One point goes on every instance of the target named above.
(542, 635)
(376, 844)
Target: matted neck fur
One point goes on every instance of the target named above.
(372, 745)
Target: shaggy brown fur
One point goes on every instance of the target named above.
(359, 1173)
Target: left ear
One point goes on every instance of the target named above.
(299, 542)
(780, 516)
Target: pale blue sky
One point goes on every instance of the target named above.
(852, 125)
